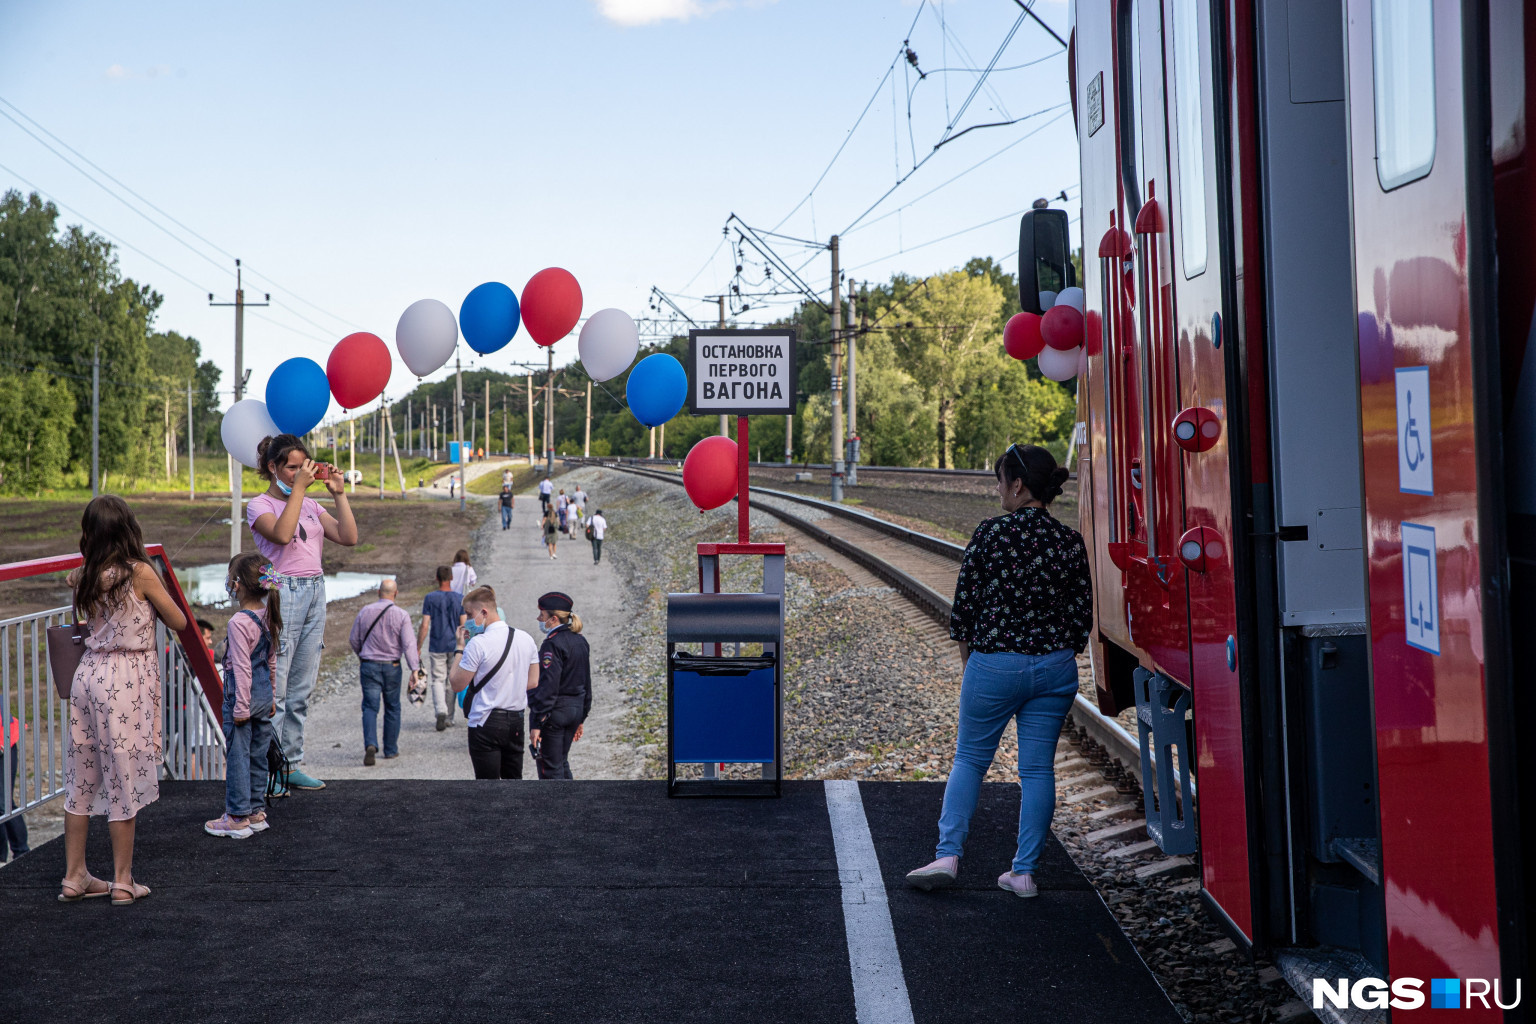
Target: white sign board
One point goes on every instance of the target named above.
(1421, 588)
(740, 372)
(1415, 447)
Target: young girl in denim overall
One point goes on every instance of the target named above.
(249, 702)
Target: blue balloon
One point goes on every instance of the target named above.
(489, 317)
(298, 394)
(656, 389)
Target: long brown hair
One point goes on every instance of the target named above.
(461, 555)
(110, 538)
(276, 449)
(248, 570)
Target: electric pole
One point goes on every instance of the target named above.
(549, 416)
(235, 488)
(528, 381)
(586, 444)
(381, 447)
(487, 416)
(837, 383)
(853, 391)
(458, 418)
(191, 463)
(96, 423)
(725, 423)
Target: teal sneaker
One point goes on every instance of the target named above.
(300, 780)
(278, 789)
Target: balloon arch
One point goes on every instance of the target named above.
(358, 369)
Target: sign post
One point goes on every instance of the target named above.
(741, 373)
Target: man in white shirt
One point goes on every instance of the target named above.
(546, 488)
(499, 665)
(596, 527)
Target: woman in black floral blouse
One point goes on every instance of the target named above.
(1022, 612)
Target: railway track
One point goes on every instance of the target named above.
(923, 568)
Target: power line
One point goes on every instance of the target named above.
(942, 238)
(981, 80)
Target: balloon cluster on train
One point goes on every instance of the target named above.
(1055, 339)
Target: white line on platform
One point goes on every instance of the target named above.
(879, 987)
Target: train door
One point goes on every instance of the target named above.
(1419, 275)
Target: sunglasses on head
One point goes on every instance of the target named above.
(1013, 450)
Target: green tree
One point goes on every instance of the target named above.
(36, 412)
(953, 324)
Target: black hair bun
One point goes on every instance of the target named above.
(1058, 476)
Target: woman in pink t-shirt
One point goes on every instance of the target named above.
(290, 530)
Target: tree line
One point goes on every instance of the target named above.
(64, 304)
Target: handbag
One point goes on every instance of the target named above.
(66, 646)
(278, 767)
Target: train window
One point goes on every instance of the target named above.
(1188, 63)
(1403, 53)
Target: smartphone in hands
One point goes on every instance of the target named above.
(322, 472)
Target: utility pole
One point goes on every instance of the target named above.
(96, 422)
(408, 424)
(725, 422)
(549, 416)
(351, 454)
(458, 418)
(586, 444)
(487, 416)
(837, 382)
(528, 381)
(853, 391)
(506, 439)
(381, 447)
(235, 488)
(395, 447)
(191, 462)
(653, 442)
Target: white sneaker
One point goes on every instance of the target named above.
(232, 828)
(940, 873)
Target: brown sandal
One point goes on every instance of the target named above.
(80, 893)
(135, 890)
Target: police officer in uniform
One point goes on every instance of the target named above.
(560, 704)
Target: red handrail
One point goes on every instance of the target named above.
(199, 656)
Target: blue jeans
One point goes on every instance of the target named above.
(298, 659)
(245, 765)
(506, 518)
(1034, 690)
(381, 679)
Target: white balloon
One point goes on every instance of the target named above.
(1047, 300)
(1073, 297)
(1059, 365)
(244, 426)
(608, 343)
(426, 335)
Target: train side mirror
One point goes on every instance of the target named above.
(1045, 263)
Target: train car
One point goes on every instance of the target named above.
(1309, 475)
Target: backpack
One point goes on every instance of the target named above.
(589, 531)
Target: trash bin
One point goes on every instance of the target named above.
(725, 708)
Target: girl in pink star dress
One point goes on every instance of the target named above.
(112, 760)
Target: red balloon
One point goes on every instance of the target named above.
(1062, 328)
(358, 369)
(709, 472)
(550, 305)
(1021, 336)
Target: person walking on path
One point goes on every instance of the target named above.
(464, 578)
(1022, 612)
(498, 668)
(291, 530)
(381, 639)
(563, 699)
(579, 499)
(114, 748)
(442, 613)
(563, 508)
(507, 500)
(250, 655)
(597, 527)
(546, 488)
(551, 532)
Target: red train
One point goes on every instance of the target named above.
(1309, 479)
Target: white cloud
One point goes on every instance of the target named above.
(648, 12)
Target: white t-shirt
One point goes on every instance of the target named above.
(545, 487)
(581, 498)
(562, 502)
(509, 689)
(464, 578)
(599, 527)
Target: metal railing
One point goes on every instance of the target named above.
(34, 721)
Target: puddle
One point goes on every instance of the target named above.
(204, 584)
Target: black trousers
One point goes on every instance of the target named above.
(555, 742)
(496, 748)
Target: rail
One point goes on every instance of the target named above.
(34, 723)
(912, 470)
(1120, 744)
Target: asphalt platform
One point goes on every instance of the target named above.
(387, 901)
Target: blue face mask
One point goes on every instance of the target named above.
(473, 629)
(283, 487)
(548, 627)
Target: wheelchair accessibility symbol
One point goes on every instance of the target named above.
(1415, 443)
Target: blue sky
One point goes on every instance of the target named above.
(362, 156)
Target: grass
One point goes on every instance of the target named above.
(522, 476)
